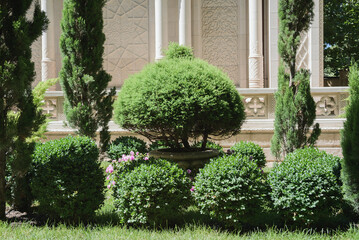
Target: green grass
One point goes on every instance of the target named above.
(26, 231)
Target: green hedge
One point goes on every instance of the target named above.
(68, 181)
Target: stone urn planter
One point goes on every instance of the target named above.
(186, 159)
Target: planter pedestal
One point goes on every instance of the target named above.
(186, 160)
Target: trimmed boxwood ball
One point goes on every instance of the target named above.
(231, 189)
(152, 193)
(250, 149)
(124, 145)
(68, 181)
(177, 99)
(306, 187)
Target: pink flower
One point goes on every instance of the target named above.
(109, 186)
(146, 158)
(137, 153)
(132, 153)
(109, 169)
(108, 178)
(192, 189)
(132, 158)
(113, 183)
(189, 171)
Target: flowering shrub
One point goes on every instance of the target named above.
(124, 145)
(68, 181)
(250, 149)
(147, 191)
(306, 186)
(230, 189)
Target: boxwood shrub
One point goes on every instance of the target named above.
(67, 179)
(306, 187)
(179, 98)
(250, 149)
(124, 145)
(151, 193)
(231, 189)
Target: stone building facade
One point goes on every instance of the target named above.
(238, 36)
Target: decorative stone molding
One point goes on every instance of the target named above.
(259, 103)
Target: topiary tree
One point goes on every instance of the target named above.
(295, 107)
(88, 106)
(350, 142)
(17, 33)
(177, 99)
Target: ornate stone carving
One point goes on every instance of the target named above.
(220, 35)
(255, 107)
(302, 58)
(50, 108)
(327, 106)
(126, 47)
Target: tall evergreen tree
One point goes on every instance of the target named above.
(295, 107)
(88, 105)
(350, 142)
(17, 33)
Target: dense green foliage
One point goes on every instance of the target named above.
(251, 150)
(176, 51)
(88, 106)
(153, 193)
(18, 193)
(124, 145)
(17, 33)
(350, 142)
(177, 99)
(341, 41)
(295, 107)
(230, 189)
(67, 180)
(306, 187)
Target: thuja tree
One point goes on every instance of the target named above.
(88, 105)
(295, 107)
(350, 142)
(17, 33)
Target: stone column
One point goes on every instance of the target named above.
(161, 35)
(48, 63)
(316, 46)
(255, 59)
(184, 36)
(273, 32)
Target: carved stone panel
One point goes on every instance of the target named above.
(220, 35)
(255, 107)
(126, 47)
(50, 108)
(327, 106)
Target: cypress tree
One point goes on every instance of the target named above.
(350, 142)
(17, 33)
(88, 106)
(295, 107)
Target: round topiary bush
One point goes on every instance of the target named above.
(231, 189)
(176, 99)
(124, 145)
(150, 193)
(67, 179)
(306, 186)
(250, 149)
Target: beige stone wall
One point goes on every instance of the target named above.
(127, 46)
